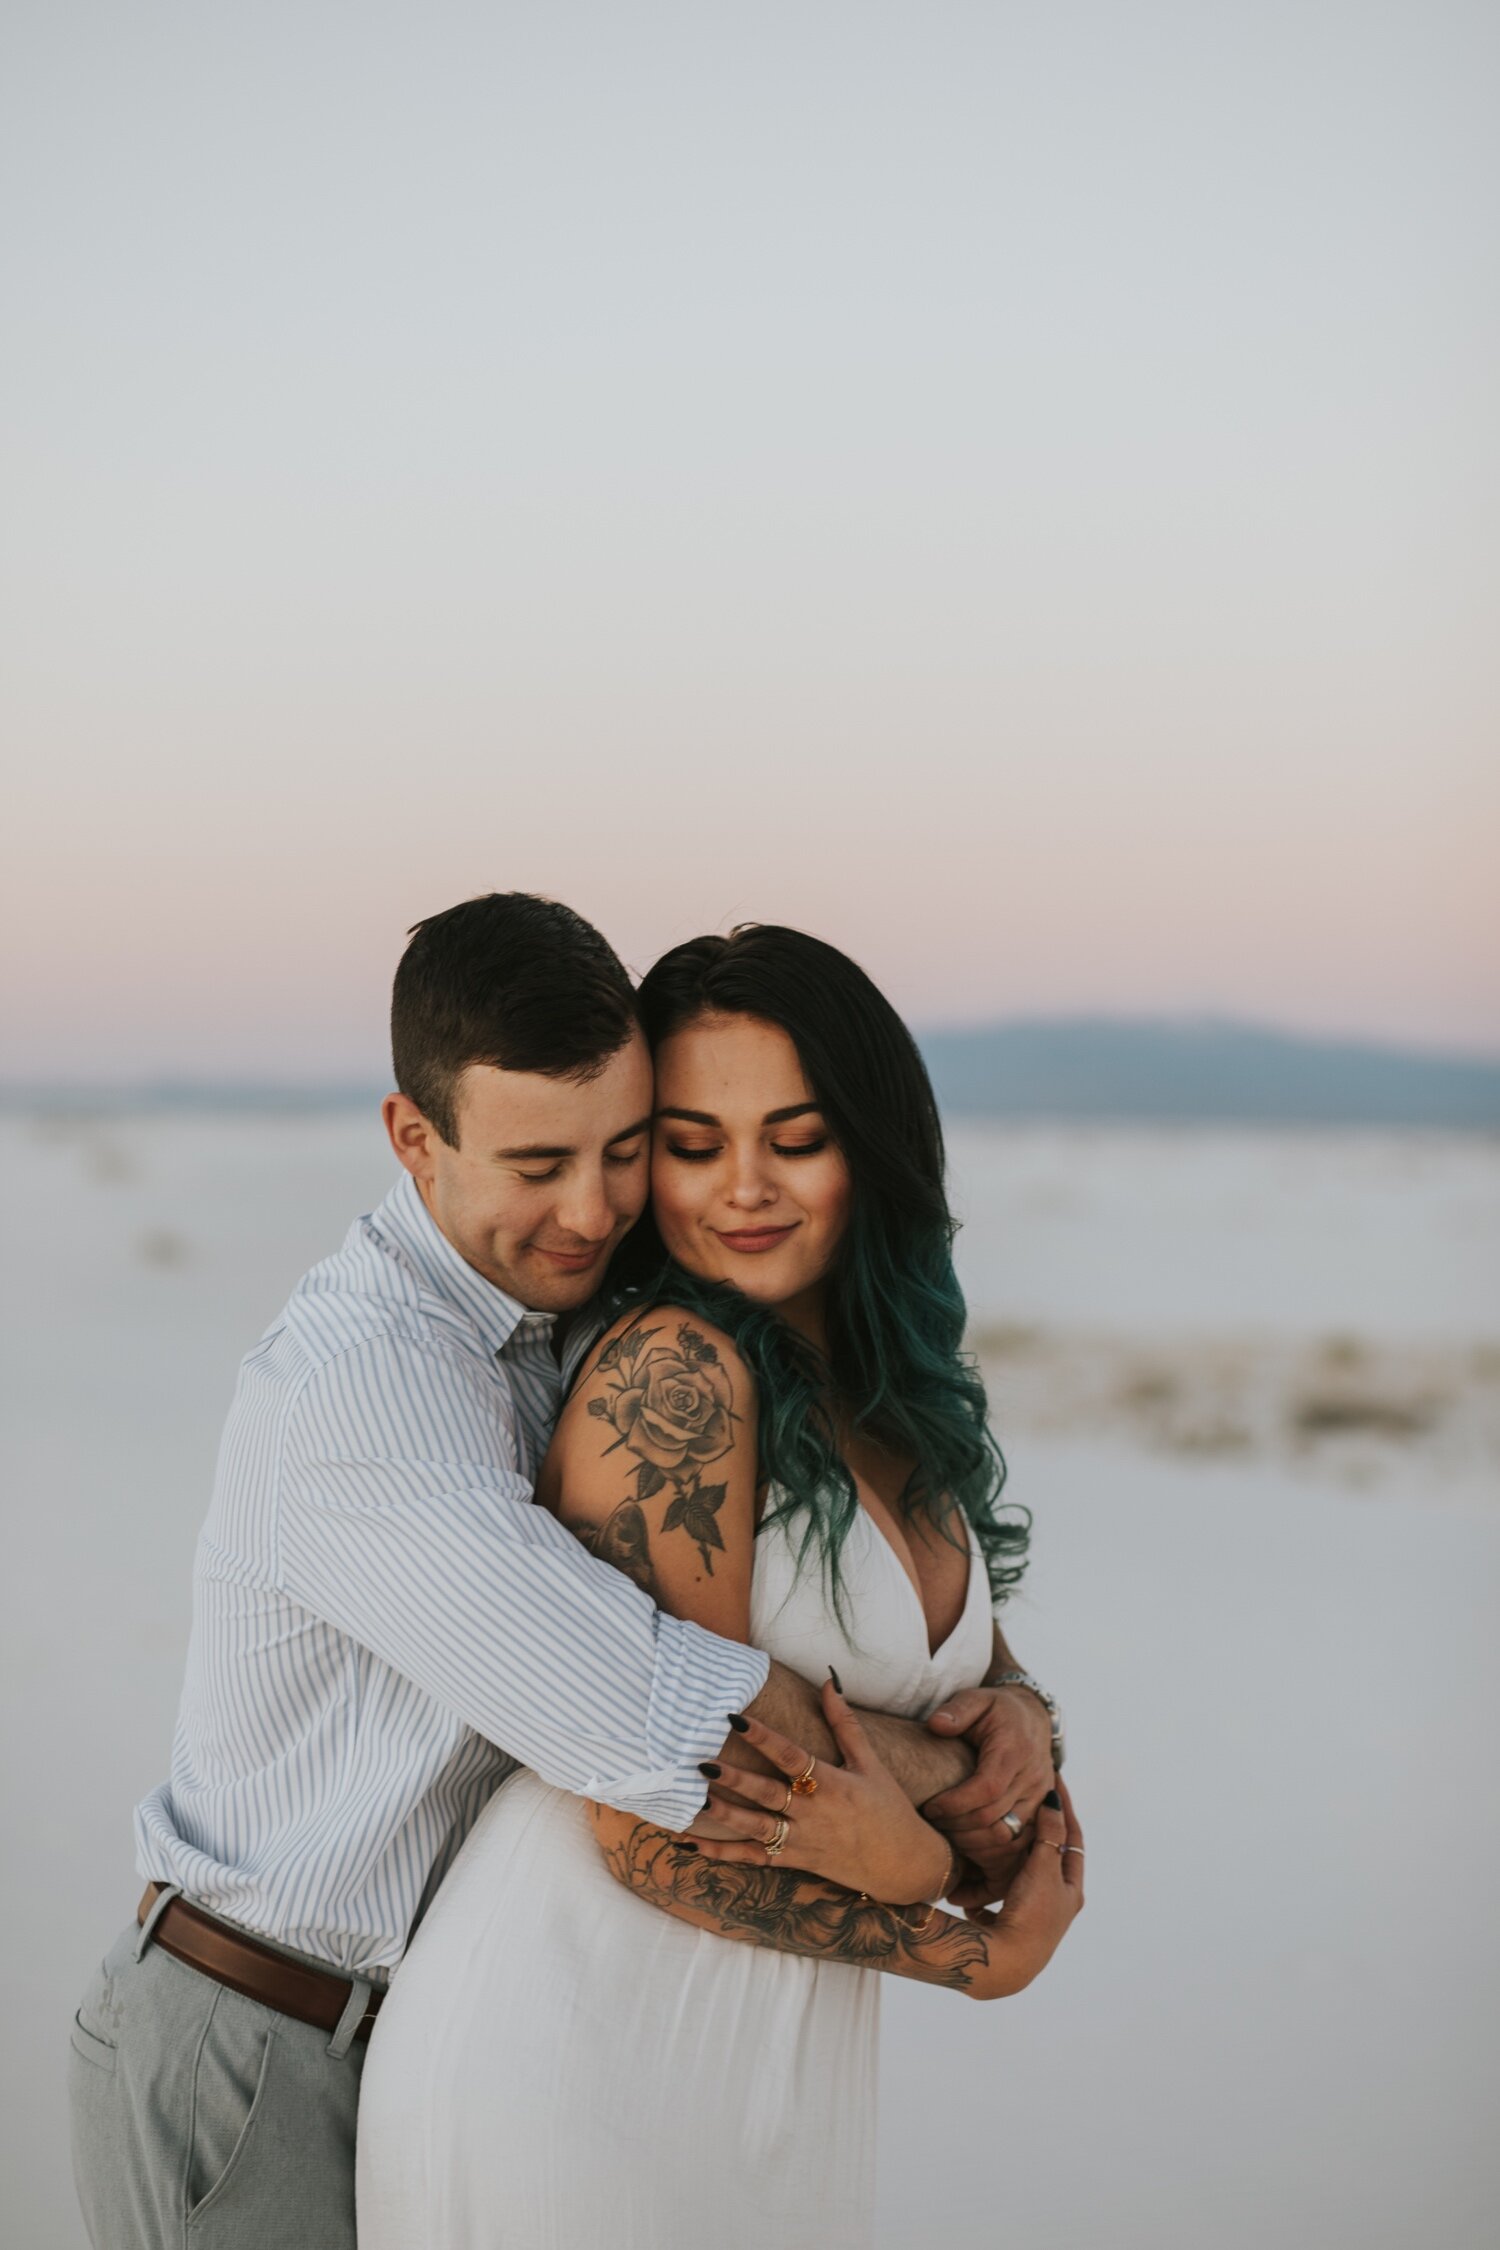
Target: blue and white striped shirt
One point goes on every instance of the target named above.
(385, 1624)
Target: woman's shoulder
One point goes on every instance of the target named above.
(666, 1325)
(673, 1386)
(654, 1462)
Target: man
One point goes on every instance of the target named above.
(385, 1625)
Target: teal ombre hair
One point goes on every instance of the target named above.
(896, 1370)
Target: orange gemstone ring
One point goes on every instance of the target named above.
(806, 1783)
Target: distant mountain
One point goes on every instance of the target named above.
(1203, 1072)
(1105, 1067)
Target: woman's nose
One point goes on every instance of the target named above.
(749, 1187)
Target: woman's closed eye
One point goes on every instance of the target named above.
(778, 1148)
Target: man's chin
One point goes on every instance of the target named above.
(556, 1287)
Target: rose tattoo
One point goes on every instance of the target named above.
(672, 1405)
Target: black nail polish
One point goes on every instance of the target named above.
(838, 1683)
(1053, 1800)
(740, 1726)
(710, 1769)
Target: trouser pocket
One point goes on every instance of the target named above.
(229, 2084)
(95, 2110)
(90, 2045)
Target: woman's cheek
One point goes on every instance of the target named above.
(670, 1209)
(831, 1193)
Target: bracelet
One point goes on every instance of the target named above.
(917, 1929)
(920, 1929)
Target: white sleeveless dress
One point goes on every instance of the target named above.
(559, 2065)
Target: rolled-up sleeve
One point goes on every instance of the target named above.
(405, 1522)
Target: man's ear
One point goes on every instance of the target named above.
(410, 1135)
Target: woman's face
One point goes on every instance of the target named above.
(746, 1183)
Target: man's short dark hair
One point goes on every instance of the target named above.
(518, 982)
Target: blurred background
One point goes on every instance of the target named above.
(1013, 492)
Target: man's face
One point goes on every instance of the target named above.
(548, 1174)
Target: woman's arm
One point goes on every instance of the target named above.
(792, 1913)
(654, 1467)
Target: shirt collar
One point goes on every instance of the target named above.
(404, 1219)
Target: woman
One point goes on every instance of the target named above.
(778, 1434)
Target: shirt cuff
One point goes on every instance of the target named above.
(699, 1680)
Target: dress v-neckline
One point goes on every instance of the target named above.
(907, 1580)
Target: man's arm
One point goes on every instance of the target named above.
(921, 1764)
(401, 1524)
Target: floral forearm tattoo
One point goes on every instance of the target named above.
(672, 1406)
(792, 1913)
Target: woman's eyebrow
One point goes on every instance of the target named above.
(772, 1116)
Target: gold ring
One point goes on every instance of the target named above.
(779, 1835)
(790, 1794)
(806, 1783)
(1055, 1847)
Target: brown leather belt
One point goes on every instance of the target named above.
(258, 1971)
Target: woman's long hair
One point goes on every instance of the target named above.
(896, 1370)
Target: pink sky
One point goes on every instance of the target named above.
(1029, 532)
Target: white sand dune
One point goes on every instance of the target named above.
(1275, 2022)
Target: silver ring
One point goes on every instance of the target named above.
(1015, 1826)
(1074, 1848)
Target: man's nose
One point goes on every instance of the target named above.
(585, 1209)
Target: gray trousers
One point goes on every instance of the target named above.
(204, 2121)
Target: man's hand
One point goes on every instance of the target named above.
(853, 1826)
(1011, 1734)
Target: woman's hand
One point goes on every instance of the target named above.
(849, 1824)
(1040, 1904)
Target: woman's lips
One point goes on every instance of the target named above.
(754, 1239)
